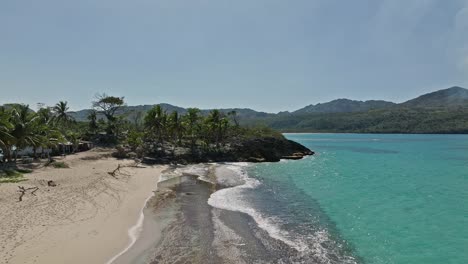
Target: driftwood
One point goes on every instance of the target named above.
(23, 191)
(112, 173)
(117, 170)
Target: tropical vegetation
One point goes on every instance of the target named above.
(158, 132)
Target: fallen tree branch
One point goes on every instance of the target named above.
(112, 173)
(117, 170)
(23, 191)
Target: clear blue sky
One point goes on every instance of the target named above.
(264, 54)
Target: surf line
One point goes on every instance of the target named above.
(134, 231)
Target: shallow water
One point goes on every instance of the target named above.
(368, 198)
(360, 199)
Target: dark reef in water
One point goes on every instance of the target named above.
(260, 149)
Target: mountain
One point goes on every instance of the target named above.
(443, 111)
(451, 97)
(345, 106)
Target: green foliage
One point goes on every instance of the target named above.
(61, 115)
(108, 105)
(60, 165)
(12, 175)
(93, 124)
(209, 133)
(135, 139)
(258, 132)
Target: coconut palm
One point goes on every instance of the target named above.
(156, 123)
(175, 129)
(25, 127)
(192, 126)
(93, 125)
(46, 129)
(5, 126)
(61, 115)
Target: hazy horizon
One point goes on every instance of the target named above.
(269, 56)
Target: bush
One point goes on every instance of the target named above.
(12, 176)
(60, 165)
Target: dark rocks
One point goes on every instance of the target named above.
(259, 149)
(51, 184)
(270, 149)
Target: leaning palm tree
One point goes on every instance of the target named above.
(61, 115)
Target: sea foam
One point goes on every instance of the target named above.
(231, 199)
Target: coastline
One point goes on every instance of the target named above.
(86, 218)
(199, 215)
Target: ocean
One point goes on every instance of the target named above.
(363, 198)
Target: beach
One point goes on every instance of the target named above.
(194, 223)
(200, 213)
(86, 218)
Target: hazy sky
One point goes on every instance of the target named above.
(264, 54)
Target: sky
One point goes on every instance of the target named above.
(268, 55)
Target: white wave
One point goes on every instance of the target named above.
(231, 199)
(198, 170)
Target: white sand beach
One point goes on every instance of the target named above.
(84, 219)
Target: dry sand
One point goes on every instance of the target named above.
(85, 219)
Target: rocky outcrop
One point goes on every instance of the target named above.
(261, 149)
(270, 149)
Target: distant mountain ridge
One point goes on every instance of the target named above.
(344, 106)
(442, 111)
(451, 97)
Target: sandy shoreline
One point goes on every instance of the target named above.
(85, 219)
(181, 227)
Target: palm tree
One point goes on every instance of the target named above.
(156, 123)
(176, 129)
(233, 115)
(25, 127)
(217, 126)
(93, 125)
(61, 115)
(45, 127)
(192, 125)
(213, 123)
(5, 127)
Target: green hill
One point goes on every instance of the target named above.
(345, 106)
(443, 111)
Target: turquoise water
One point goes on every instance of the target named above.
(383, 198)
